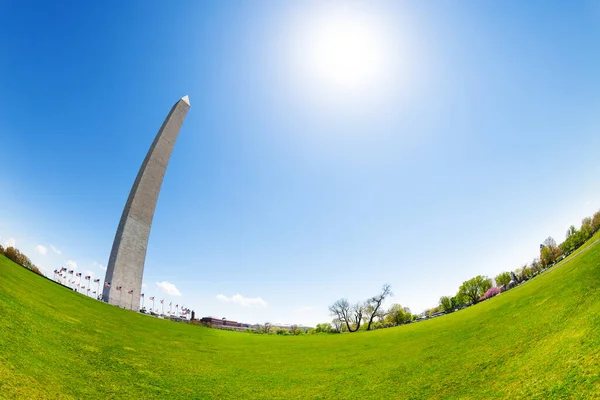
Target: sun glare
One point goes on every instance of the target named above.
(345, 51)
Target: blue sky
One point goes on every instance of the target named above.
(477, 141)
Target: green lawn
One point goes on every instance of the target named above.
(540, 340)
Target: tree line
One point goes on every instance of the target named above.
(15, 255)
(368, 314)
(363, 315)
(482, 288)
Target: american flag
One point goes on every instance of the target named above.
(162, 301)
(63, 269)
(170, 303)
(141, 294)
(78, 274)
(130, 292)
(94, 292)
(70, 272)
(96, 280)
(152, 298)
(106, 284)
(87, 278)
(119, 287)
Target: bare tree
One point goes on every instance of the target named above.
(337, 325)
(357, 316)
(373, 305)
(341, 310)
(350, 315)
(264, 328)
(549, 242)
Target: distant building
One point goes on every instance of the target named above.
(222, 322)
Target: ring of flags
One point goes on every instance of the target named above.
(63, 272)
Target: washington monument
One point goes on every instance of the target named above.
(126, 263)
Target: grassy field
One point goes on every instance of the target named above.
(540, 340)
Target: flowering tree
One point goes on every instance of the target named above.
(490, 293)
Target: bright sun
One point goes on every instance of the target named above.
(343, 50)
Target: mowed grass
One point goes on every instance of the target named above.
(540, 340)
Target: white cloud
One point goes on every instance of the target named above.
(304, 309)
(102, 267)
(71, 264)
(10, 242)
(168, 288)
(54, 249)
(41, 249)
(243, 301)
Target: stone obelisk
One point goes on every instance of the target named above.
(126, 263)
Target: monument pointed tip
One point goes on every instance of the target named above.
(186, 99)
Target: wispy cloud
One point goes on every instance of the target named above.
(41, 249)
(102, 267)
(54, 249)
(168, 288)
(71, 264)
(10, 243)
(243, 301)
